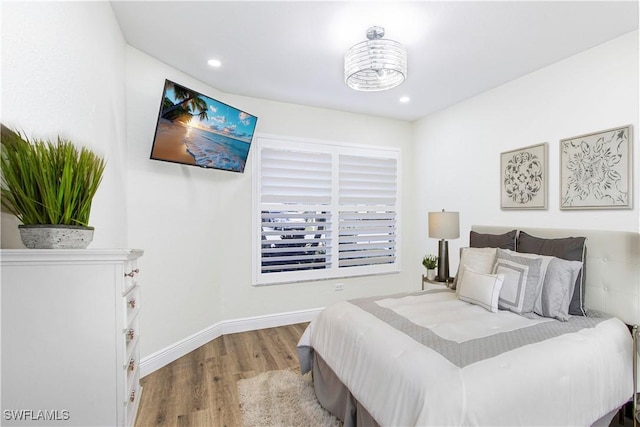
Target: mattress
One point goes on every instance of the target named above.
(427, 358)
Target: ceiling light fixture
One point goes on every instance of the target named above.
(215, 63)
(375, 64)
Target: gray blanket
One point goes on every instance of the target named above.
(466, 353)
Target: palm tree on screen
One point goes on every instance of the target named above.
(189, 102)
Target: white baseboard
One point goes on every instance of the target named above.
(173, 352)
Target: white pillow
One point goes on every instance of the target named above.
(480, 289)
(480, 260)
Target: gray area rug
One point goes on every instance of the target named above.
(282, 398)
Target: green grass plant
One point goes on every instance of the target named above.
(430, 261)
(48, 182)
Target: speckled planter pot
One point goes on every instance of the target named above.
(47, 236)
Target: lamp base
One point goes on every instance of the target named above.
(443, 262)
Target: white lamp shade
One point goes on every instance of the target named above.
(444, 225)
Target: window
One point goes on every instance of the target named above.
(324, 211)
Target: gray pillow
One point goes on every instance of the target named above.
(523, 277)
(568, 248)
(557, 288)
(502, 241)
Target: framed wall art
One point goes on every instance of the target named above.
(523, 178)
(596, 170)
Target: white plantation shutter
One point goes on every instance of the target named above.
(294, 241)
(324, 211)
(289, 177)
(367, 193)
(367, 181)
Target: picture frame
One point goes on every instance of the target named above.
(596, 170)
(524, 177)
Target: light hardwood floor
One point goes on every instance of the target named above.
(199, 389)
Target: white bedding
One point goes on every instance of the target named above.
(570, 379)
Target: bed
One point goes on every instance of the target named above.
(453, 357)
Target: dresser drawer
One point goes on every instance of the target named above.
(131, 369)
(131, 301)
(130, 274)
(133, 401)
(131, 337)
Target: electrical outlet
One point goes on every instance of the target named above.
(339, 287)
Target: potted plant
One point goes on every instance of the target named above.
(49, 187)
(430, 262)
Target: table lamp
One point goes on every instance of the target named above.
(444, 225)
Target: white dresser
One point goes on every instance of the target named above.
(70, 353)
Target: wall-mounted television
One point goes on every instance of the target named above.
(197, 130)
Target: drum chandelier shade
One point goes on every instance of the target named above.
(375, 64)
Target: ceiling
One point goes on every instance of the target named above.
(292, 51)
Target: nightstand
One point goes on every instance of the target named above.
(436, 282)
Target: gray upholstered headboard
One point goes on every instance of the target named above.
(612, 267)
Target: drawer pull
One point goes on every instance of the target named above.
(132, 365)
(131, 333)
(132, 397)
(132, 303)
(132, 273)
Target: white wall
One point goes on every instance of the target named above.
(182, 216)
(63, 74)
(457, 150)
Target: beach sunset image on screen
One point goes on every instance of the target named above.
(197, 130)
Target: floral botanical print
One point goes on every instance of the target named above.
(523, 177)
(595, 170)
